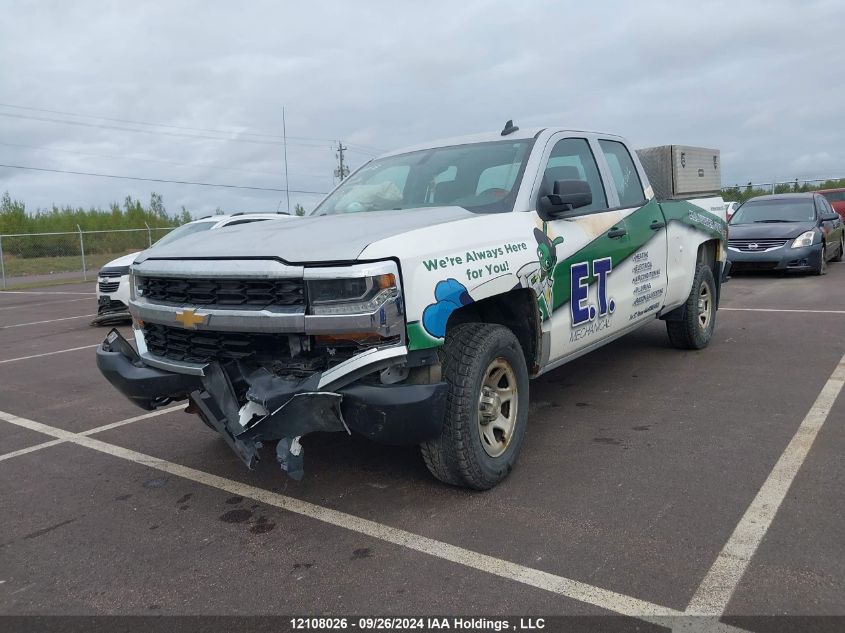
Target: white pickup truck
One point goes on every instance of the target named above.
(416, 301)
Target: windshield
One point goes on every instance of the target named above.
(181, 231)
(481, 177)
(835, 196)
(783, 210)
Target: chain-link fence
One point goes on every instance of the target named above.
(33, 258)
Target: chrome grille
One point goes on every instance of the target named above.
(109, 286)
(756, 246)
(223, 293)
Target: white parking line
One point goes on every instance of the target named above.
(43, 303)
(81, 316)
(137, 418)
(31, 449)
(715, 591)
(43, 292)
(99, 429)
(61, 351)
(574, 589)
(783, 310)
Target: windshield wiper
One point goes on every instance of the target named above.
(762, 221)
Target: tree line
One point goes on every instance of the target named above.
(741, 194)
(133, 214)
(15, 219)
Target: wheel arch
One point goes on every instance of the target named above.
(516, 310)
(708, 252)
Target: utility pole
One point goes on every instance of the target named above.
(285, 135)
(342, 170)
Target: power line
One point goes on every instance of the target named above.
(153, 132)
(363, 148)
(149, 160)
(164, 180)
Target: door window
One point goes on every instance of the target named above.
(572, 159)
(624, 173)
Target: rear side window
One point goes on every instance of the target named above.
(624, 173)
(572, 159)
(827, 209)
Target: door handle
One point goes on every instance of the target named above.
(656, 225)
(616, 232)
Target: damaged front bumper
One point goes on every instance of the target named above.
(249, 406)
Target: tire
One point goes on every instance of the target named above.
(696, 328)
(838, 257)
(482, 435)
(821, 269)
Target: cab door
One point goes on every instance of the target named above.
(601, 266)
(575, 252)
(643, 279)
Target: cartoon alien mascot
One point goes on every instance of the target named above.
(541, 278)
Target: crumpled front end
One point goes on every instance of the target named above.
(267, 352)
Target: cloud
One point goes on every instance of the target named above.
(759, 80)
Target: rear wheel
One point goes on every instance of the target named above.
(695, 330)
(838, 257)
(486, 409)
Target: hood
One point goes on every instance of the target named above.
(125, 260)
(769, 230)
(323, 238)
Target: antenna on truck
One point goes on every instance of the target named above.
(510, 128)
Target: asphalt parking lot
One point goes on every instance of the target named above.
(652, 483)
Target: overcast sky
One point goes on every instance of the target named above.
(762, 81)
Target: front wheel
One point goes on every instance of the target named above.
(695, 330)
(821, 268)
(486, 409)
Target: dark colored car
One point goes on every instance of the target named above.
(790, 231)
(836, 198)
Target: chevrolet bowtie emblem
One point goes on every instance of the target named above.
(190, 319)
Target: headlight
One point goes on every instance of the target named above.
(805, 239)
(360, 304)
(354, 295)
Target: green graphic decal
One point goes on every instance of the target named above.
(619, 249)
(696, 217)
(552, 279)
(418, 338)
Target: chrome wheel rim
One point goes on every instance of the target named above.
(705, 306)
(497, 407)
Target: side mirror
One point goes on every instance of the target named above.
(568, 195)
